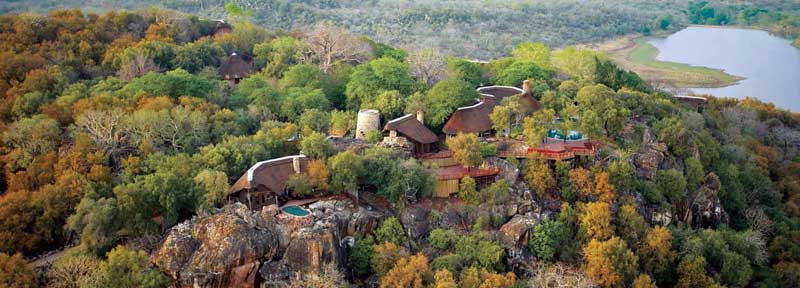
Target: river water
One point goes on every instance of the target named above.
(771, 65)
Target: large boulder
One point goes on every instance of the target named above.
(224, 249)
(650, 157)
(517, 231)
(314, 247)
(237, 247)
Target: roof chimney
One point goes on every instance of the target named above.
(526, 87)
(421, 116)
(296, 164)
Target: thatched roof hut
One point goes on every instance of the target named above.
(411, 128)
(266, 180)
(235, 68)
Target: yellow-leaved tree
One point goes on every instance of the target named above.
(596, 221)
(609, 263)
(407, 272)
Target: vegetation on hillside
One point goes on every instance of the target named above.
(116, 125)
(475, 29)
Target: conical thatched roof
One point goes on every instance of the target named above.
(235, 67)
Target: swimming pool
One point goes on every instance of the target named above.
(571, 135)
(296, 211)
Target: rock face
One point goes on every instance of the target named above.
(508, 172)
(415, 220)
(517, 231)
(650, 157)
(236, 247)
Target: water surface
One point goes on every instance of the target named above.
(771, 65)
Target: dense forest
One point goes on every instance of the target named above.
(116, 127)
(477, 29)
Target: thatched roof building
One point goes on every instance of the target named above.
(221, 28)
(265, 181)
(475, 118)
(420, 138)
(235, 68)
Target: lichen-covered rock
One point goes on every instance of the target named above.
(516, 232)
(416, 221)
(224, 249)
(312, 248)
(508, 172)
(650, 157)
(237, 247)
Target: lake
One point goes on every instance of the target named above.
(770, 64)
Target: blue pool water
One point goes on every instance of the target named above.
(572, 135)
(296, 211)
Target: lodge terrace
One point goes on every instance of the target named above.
(265, 182)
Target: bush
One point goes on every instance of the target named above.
(391, 231)
(374, 136)
(442, 239)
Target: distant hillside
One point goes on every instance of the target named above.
(471, 28)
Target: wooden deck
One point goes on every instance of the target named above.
(550, 150)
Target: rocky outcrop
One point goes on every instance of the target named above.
(508, 172)
(517, 231)
(650, 157)
(237, 247)
(416, 221)
(221, 249)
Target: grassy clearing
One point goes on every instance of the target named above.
(635, 54)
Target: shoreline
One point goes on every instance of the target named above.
(634, 53)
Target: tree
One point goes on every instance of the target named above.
(444, 279)
(390, 103)
(33, 136)
(215, 185)
(501, 119)
(599, 111)
(195, 56)
(345, 168)
(96, 223)
(427, 66)
(581, 181)
(360, 255)
(129, 268)
(103, 127)
(610, 263)
(495, 193)
(385, 256)
(300, 99)
(309, 76)
(278, 54)
(370, 80)
(596, 221)
(391, 231)
(465, 70)
(136, 66)
(313, 120)
(316, 146)
(522, 70)
(547, 239)
(73, 271)
(535, 127)
(643, 281)
(605, 191)
(657, 255)
(318, 174)
(631, 226)
(328, 45)
(578, 63)
(539, 176)
(694, 173)
(15, 272)
(442, 239)
(692, 273)
(466, 149)
(736, 270)
(445, 97)
(535, 52)
(329, 277)
(467, 191)
(407, 272)
(470, 278)
(672, 184)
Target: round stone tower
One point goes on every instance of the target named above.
(368, 120)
